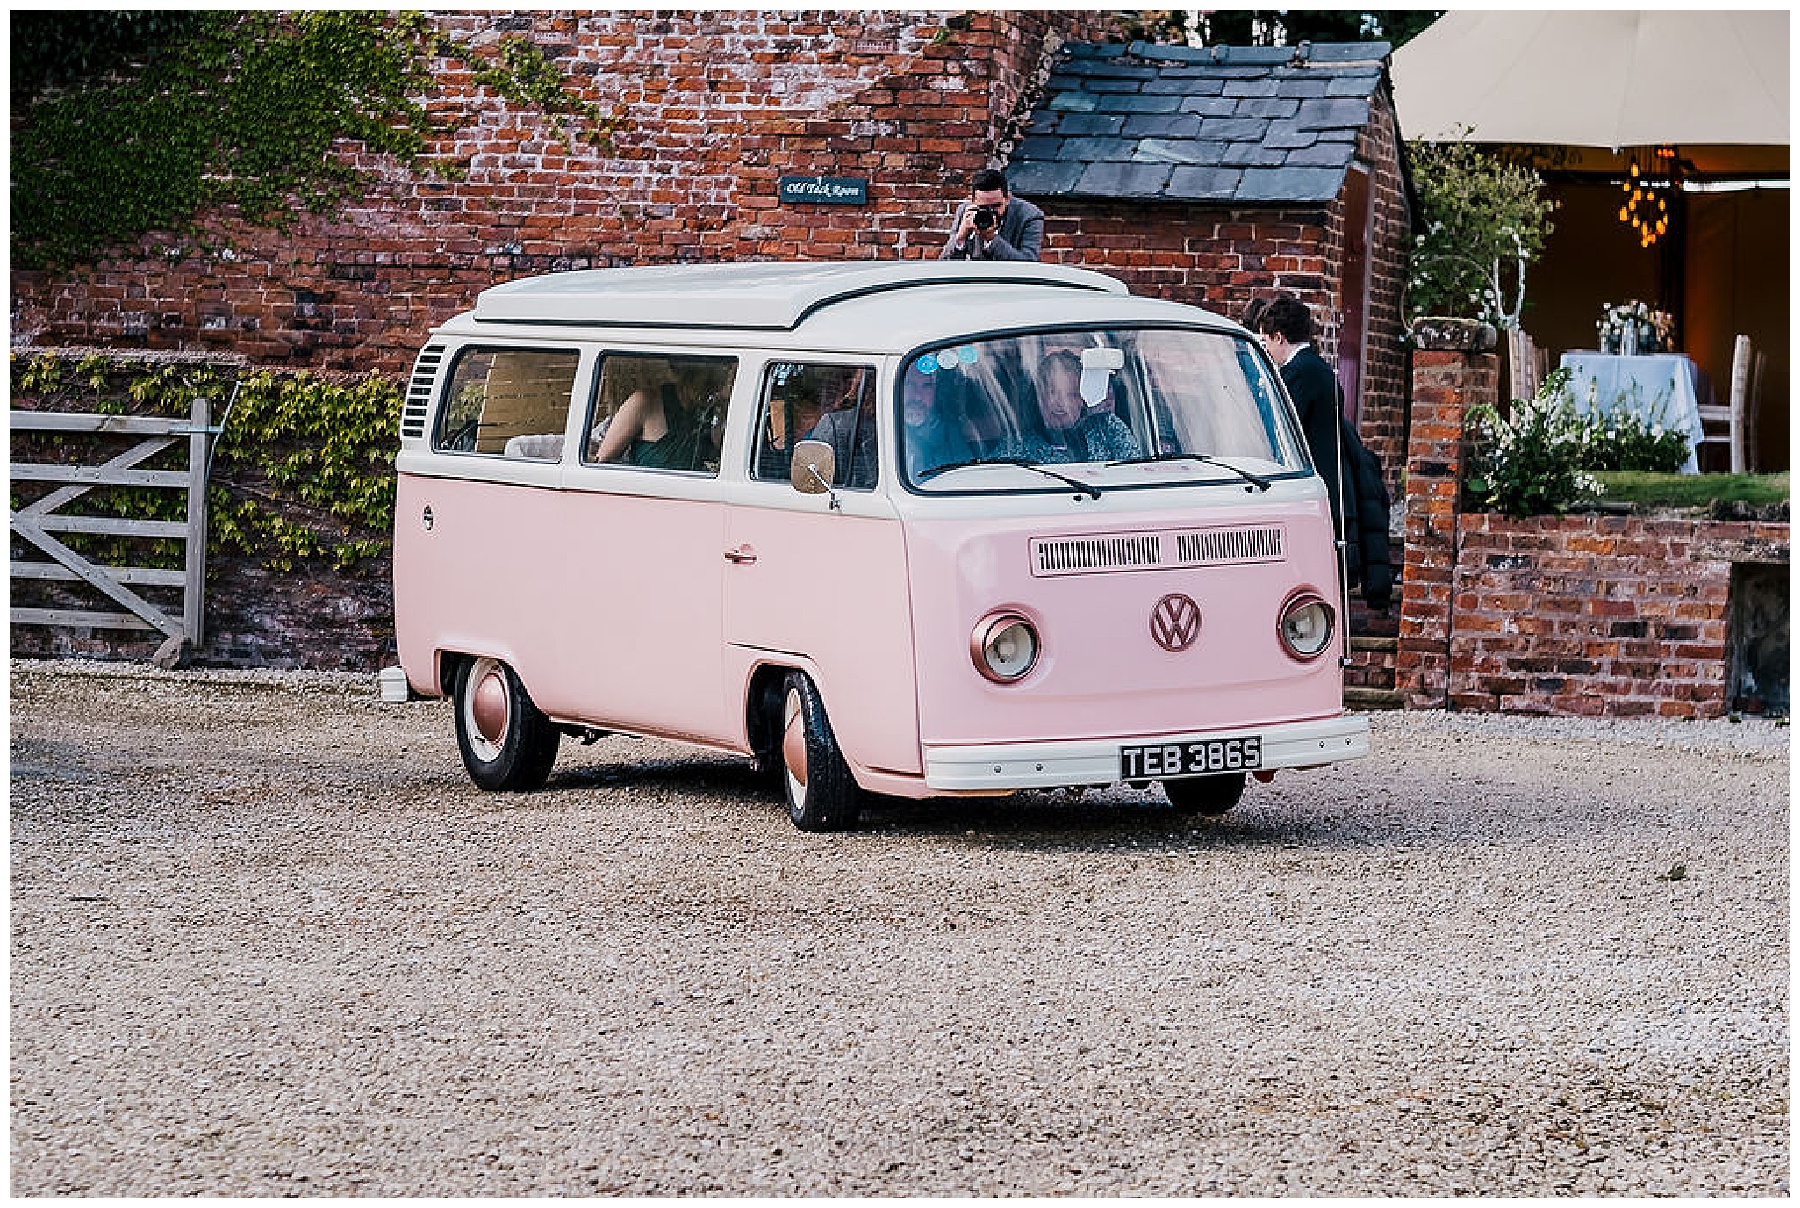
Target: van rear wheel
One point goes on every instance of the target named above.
(1206, 795)
(821, 793)
(507, 744)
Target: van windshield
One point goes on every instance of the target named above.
(976, 415)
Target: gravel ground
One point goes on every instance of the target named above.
(267, 939)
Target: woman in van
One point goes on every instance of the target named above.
(654, 429)
(849, 428)
(1071, 432)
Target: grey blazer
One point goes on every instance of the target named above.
(1020, 237)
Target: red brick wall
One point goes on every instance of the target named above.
(1615, 615)
(1220, 259)
(316, 618)
(716, 106)
(1385, 370)
(1200, 255)
(1590, 614)
(1451, 373)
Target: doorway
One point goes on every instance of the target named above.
(1353, 303)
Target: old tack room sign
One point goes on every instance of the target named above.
(824, 190)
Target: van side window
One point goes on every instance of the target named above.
(832, 403)
(507, 402)
(660, 412)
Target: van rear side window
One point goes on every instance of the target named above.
(660, 412)
(508, 402)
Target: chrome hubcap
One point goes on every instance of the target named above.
(793, 747)
(488, 706)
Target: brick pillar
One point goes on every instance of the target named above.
(1454, 368)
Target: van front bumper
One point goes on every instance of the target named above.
(1047, 765)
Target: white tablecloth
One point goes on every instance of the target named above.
(1659, 387)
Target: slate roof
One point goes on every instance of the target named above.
(1231, 125)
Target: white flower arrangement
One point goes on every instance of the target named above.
(1632, 328)
(1527, 462)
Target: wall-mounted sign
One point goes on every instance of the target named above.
(825, 190)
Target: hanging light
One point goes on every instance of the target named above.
(1642, 186)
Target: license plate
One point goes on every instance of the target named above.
(1208, 757)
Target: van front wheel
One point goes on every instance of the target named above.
(821, 793)
(1208, 795)
(507, 744)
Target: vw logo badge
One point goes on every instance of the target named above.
(1175, 622)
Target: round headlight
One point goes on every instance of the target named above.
(1306, 625)
(1004, 647)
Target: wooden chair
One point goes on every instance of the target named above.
(1738, 417)
(1527, 364)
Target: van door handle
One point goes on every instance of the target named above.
(743, 555)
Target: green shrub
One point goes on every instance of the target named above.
(1481, 223)
(305, 469)
(1543, 454)
(1528, 462)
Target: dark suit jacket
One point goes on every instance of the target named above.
(1314, 389)
(1360, 501)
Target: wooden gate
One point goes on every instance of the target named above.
(38, 521)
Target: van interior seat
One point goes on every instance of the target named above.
(541, 448)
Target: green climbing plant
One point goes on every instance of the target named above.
(302, 471)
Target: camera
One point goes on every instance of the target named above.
(986, 219)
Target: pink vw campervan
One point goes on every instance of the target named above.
(906, 528)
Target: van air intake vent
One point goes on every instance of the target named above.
(1228, 545)
(1155, 551)
(1075, 554)
(418, 393)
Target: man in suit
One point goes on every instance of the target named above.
(1359, 499)
(993, 224)
(1286, 328)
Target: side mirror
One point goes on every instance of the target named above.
(815, 461)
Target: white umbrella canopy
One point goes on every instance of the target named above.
(1597, 78)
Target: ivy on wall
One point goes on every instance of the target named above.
(307, 469)
(302, 471)
(247, 110)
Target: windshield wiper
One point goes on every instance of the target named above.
(1090, 489)
(1253, 479)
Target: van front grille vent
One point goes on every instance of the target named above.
(1208, 546)
(1073, 555)
(418, 393)
(1155, 551)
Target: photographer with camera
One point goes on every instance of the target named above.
(993, 224)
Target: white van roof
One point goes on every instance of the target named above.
(766, 296)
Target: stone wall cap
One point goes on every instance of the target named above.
(1442, 334)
